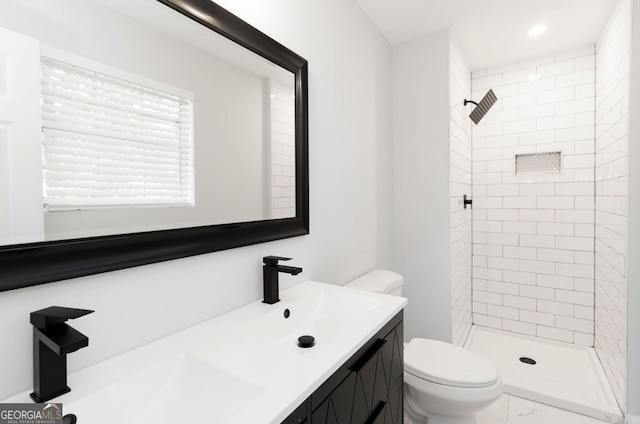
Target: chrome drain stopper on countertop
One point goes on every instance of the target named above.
(306, 341)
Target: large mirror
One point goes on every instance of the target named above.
(137, 132)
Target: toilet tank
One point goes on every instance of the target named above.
(379, 281)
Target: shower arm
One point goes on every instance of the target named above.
(469, 101)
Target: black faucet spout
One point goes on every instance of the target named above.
(293, 270)
(270, 272)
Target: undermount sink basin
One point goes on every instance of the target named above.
(323, 315)
(183, 389)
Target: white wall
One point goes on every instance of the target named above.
(459, 185)
(633, 266)
(350, 132)
(533, 234)
(420, 183)
(612, 191)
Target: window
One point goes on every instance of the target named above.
(110, 142)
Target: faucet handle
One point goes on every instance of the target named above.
(54, 315)
(273, 260)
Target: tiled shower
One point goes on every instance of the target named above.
(548, 237)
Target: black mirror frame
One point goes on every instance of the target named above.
(25, 265)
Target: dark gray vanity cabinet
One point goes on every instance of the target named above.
(367, 389)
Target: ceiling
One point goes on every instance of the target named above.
(493, 32)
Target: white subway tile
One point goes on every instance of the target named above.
(520, 126)
(583, 216)
(503, 312)
(554, 333)
(489, 81)
(537, 189)
(582, 339)
(519, 327)
(586, 62)
(587, 119)
(584, 284)
(502, 141)
(486, 202)
(528, 240)
(575, 189)
(519, 277)
(504, 288)
(520, 202)
(502, 239)
(584, 312)
(537, 138)
(487, 250)
(503, 190)
(519, 228)
(585, 258)
(574, 243)
(537, 292)
(538, 111)
(576, 298)
(556, 202)
(488, 226)
(576, 106)
(519, 302)
(503, 263)
(487, 273)
(585, 202)
(537, 215)
(584, 230)
(487, 297)
(479, 308)
(478, 260)
(555, 229)
(556, 122)
(540, 267)
(575, 270)
(556, 255)
(479, 285)
(555, 281)
(487, 130)
(555, 308)
(585, 90)
(502, 215)
(553, 96)
(574, 324)
(537, 318)
(487, 321)
(575, 78)
(559, 67)
(579, 161)
(519, 252)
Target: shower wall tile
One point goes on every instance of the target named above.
(533, 238)
(459, 185)
(611, 171)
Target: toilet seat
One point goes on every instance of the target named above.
(447, 364)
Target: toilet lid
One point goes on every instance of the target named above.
(447, 364)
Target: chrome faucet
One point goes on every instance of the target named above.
(52, 340)
(270, 272)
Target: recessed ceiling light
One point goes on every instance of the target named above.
(537, 30)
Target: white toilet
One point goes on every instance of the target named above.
(443, 383)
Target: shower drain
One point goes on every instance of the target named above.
(526, 360)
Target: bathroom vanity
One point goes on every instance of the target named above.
(367, 388)
(245, 366)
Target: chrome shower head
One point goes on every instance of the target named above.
(483, 107)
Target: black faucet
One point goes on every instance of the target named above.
(52, 340)
(270, 271)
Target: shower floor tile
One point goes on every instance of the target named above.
(564, 376)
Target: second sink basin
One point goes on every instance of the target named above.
(183, 389)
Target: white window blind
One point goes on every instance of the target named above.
(108, 142)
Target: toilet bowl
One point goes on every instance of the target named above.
(443, 383)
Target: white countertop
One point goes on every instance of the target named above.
(240, 367)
